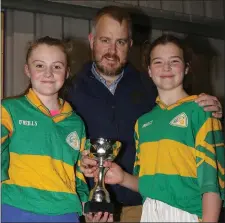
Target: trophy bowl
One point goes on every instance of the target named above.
(101, 150)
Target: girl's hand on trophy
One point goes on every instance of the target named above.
(99, 217)
(114, 174)
(88, 166)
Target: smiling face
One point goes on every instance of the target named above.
(110, 45)
(47, 69)
(167, 67)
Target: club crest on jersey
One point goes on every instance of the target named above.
(73, 140)
(180, 120)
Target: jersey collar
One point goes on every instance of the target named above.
(65, 108)
(179, 102)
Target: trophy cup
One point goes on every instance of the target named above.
(101, 150)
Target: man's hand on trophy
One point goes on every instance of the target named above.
(99, 217)
(88, 166)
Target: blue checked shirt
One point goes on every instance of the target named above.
(111, 87)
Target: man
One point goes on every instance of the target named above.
(109, 94)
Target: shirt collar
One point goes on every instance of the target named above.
(101, 79)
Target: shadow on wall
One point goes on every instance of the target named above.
(79, 52)
(201, 52)
(141, 36)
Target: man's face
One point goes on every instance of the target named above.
(110, 45)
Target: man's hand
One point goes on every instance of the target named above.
(88, 166)
(99, 217)
(210, 103)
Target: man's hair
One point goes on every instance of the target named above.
(117, 13)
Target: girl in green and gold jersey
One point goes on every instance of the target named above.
(179, 166)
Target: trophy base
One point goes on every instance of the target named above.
(95, 207)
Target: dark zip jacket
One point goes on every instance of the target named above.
(113, 116)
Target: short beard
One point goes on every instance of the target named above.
(109, 73)
(105, 71)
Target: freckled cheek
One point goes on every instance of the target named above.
(37, 75)
(60, 83)
(156, 72)
(155, 75)
(60, 77)
(178, 71)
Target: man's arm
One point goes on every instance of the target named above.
(210, 103)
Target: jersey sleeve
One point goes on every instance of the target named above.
(6, 133)
(81, 185)
(210, 157)
(137, 156)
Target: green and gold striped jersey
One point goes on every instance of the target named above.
(180, 154)
(39, 153)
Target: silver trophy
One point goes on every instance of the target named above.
(101, 150)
